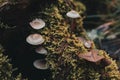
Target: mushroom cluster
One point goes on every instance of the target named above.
(70, 57)
(37, 39)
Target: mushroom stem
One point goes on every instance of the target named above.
(73, 25)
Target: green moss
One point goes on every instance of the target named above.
(6, 70)
(63, 47)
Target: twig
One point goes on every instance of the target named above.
(117, 51)
(3, 4)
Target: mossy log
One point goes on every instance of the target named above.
(64, 47)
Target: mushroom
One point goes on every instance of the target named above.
(35, 39)
(88, 44)
(73, 15)
(41, 50)
(40, 64)
(37, 24)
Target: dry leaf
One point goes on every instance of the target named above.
(104, 27)
(91, 56)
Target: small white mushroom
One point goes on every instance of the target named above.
(88, 44)
(37, 24)
(41, 50)
(40, 64)
(73, 14)
(35, 39)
